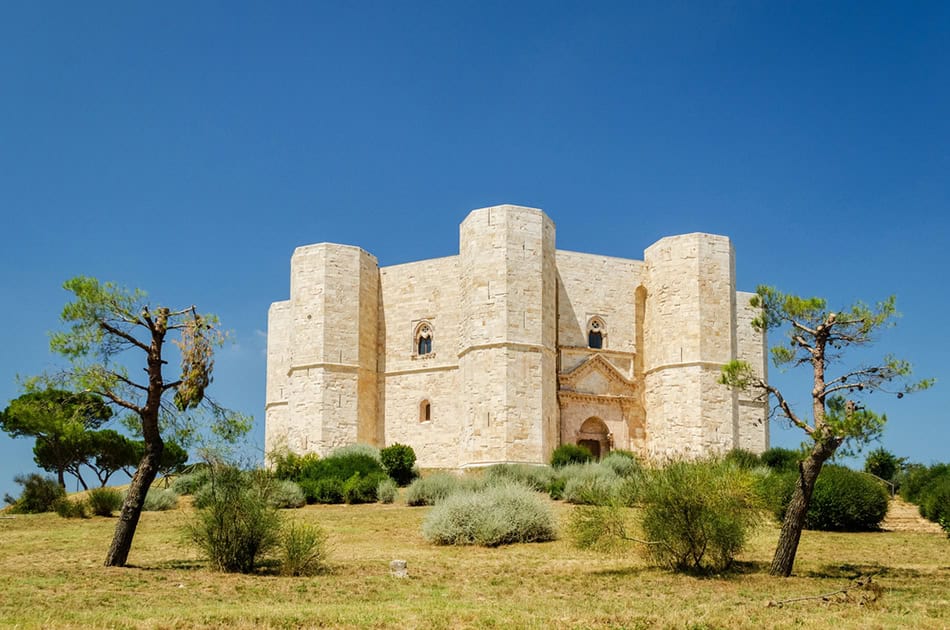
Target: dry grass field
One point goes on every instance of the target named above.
(51, 576)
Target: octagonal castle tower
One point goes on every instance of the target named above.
(512, 347)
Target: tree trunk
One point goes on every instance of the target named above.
(797, 511)
(132, 508)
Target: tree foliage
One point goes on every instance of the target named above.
(818, 337)
(108, 329)
(61, 422)
(882, 463)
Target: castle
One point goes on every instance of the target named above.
(512, 347)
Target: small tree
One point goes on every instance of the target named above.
(816, 336)
(60, 421)
(109, 325)
(398, 460)
(882, 463)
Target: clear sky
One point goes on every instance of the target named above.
(187, 147)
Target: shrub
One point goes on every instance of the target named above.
(71, 508)
(303, 549)
(781, 459)
(843, 500)
(191, 482)
(697, 514)
(623, 463)
(916, 479)
(284, 494)
(774, 490)
(570, 454)
(591, 484)
(935, 500)
(398, 460)
(328, 490)
(290, 466)
(367, 450)
(386, 490)
(435, 488)
(846, 500)
(360, 489)
(38, 495)
(743, 458)
(495, 515)
(237, 526)
(104, 501)
(160, 499)
(537, 478)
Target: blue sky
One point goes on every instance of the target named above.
(187, 148)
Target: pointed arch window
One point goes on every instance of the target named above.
(596, 333)
(423, 340)
(425, 411)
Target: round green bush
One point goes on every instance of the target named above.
(160, 499)
(847, 501)
(435, 488)
(843, 499)
(398, 460)
(570, 454)
(492, 516)
(386, 490)
(591, 484)
(360, 489)
(104, 501)
(284, 494)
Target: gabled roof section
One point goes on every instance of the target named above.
(597, 376)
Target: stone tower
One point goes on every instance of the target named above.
(507, 336)
(323, 351)
(689, 334)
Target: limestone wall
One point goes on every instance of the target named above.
(752, 419)
(410, 293)
(507, 335)
(331, 384)
(689, 333)
(602, 286)
(278, 364)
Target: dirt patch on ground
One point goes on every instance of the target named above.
(904, 517)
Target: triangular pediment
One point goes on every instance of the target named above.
(597, 376)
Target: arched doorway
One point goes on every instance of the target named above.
(594, 435)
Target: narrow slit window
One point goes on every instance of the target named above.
(425, 411)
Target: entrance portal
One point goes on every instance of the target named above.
(594, 435)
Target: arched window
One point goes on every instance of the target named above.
(423, 339)
(596, 333)
(425, 411)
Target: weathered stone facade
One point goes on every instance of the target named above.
(512, 347)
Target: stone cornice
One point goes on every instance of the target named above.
(526, 347)
(572, 395)
(599, 364)
(684, 364)
(417, 370)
